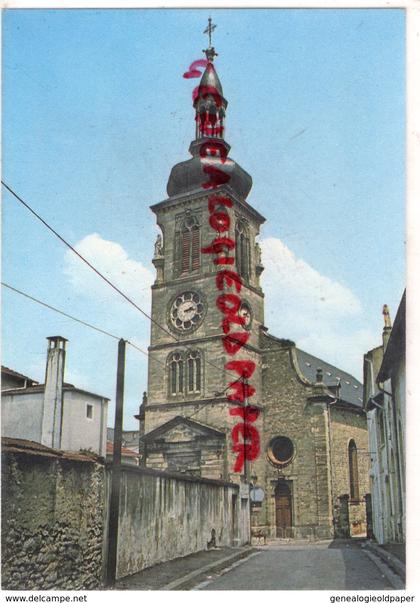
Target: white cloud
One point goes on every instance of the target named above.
(307, 287)
(113, 262)
(321, 315)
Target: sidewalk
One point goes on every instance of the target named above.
(176, 574)
(392, 554)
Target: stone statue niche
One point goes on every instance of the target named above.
(158, 247)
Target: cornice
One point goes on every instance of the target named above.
(205, 275)
(204, 402)
(187, 198)
(195, 341)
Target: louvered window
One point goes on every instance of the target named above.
(195, 248)
(242, 250)
(186, 250)
(187, 247)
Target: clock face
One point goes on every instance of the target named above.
(246, 313)
(187, 311)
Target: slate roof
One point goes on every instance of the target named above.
(30, 447)
(5, 370)
(351, 389)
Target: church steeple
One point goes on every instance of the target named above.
(209, 102)
(210, 111)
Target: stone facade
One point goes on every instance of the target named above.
(52, 518)
(312, 431)
(320, 427)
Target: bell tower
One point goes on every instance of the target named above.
(186, 374)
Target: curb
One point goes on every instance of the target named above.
(215, 565)
(391, 560)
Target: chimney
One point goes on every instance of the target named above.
(387, 327)
(53, 393)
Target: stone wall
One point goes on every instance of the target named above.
(52, 518)
(55, 517)
(164, 516)
(349, 425)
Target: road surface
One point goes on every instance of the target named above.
(322, 566)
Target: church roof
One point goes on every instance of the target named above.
(187, 176)
(351, 390)
(211, 79)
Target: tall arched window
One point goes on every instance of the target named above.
(242, 249)
(187, 246)
(176, 374)
(194, 372)
(185, 373)
(353, 471)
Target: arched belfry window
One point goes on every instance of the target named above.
(353, 471)
(185, 373)
(176, 374)
(193, 372)
(187, 246)
(242, 248)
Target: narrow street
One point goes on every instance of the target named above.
(321, 566)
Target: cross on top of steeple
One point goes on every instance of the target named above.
(210, 52)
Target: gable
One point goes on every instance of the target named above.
(181, 429)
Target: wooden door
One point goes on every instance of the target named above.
(283, 500)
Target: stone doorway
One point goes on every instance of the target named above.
(283, 501)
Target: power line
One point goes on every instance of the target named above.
(87, 324)
(38, 301)
(81, 257)
(83, 322)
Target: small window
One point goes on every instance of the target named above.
(89, 411)
(353, 471)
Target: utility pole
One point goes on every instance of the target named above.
(114, 505)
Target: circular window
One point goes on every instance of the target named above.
(281, 451)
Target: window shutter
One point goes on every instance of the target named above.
(177, 253)
(186, 243)
(238, 253)
(247, 258)
(195, 249)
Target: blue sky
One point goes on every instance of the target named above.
(95, 114)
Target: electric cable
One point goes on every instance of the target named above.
(79, 320)
(81, 257)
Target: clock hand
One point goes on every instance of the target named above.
(189, 309)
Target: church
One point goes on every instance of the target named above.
(227, 400)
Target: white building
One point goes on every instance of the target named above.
(56, 414)
(384, 401)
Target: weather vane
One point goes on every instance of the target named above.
(210, 52)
